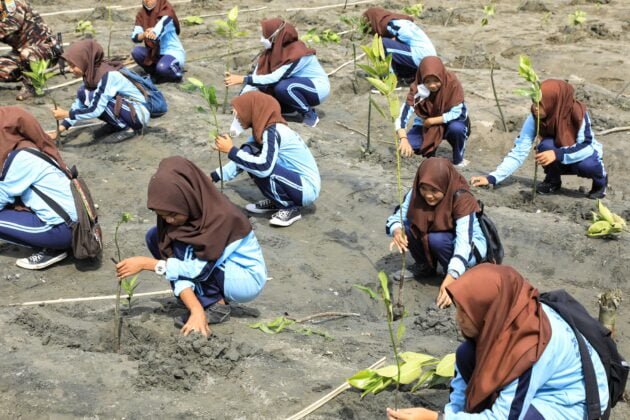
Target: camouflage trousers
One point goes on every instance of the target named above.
(13, 63)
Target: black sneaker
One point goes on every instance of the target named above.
(285, 217)
(41, 259)
(263, 206)
(548, 187)
(218, 313)
(598, 192)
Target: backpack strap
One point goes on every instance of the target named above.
(479, 213)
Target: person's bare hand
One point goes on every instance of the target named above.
(197, 322)
(443, 299)
(479, 181)
(134, 265)
(60, 113)
(149, 34)
(417, 413)
(223, 143)
(405, 148)
(431, 121)
(233, 79)
(399, 240)
(546, 158)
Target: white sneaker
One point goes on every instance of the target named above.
(261, 207)
(41, 259)
(285, 217)
(463, 163)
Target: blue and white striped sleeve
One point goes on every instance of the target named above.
(230, 171)
(262, 164)
(463, 245)
(518, 154)
(164, 25)
(105, 91)
(137, 30)
(454, 113)
(185, 273)
(457, 397)
(393, 221)
(269, 79)
(67, 122)
(582, 148)
(406, 111)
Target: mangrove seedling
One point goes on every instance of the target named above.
(360, 27)
(84, 28)
(39, 75)
(424, 369)
(209, 94)
(327, 36)
(125, 217)
(193, 20)
(534, 92)
(488, 12)
(577, 18)
(414, 10)
(129, 286)
(605, 223)
(283, 323)
(609, 302)
(228, 28)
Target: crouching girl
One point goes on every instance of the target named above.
(25, 217)
(202, 244)
(439, 224)
(275, 156)
(105, 94)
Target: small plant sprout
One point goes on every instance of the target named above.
(327, 36)
(228, 28)
(488, 12)
(526, 71)
(577, 18)
(39, 75)
(193, 20)
(414, 10)
(606, 223)
(357, 26)
(209, 94)
(84, 28)
(129, 285)
(282, 323)
(424, 369)
(125, 217)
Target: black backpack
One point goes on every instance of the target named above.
(495, 251)
(599, 337)
(87, 236)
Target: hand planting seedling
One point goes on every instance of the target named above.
(606, 224)
(414, 10)
(128, 284)
(424, 369)
(209, 94)
(526, 71)
(228, 28)
(577, 18)
(84, 28)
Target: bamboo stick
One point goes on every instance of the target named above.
(88, 299)
(91, 9)
(330, 6)
(75, 81)
(360, 56)
(351, 129)
(330, 396)
(613, 130)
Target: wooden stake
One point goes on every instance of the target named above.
(331, 6)
(330, 396)
(360, 56)
(87, 299)
(613, 130)
(324, 315)
(351, 129)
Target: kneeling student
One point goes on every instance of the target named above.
(25, 217)
(203, 244)
(275, 156)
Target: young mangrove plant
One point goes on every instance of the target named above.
(209, 94)
(125, 217)
(423, 369)
(526, 71)
(283, 323)
(129, 285)
(577, 18)
(358, 28)
(488, 12)
(327, 36)
(414, 10)
(228, 28)
(84, 29)
(606, 224)
(193, 20)
(39, 75)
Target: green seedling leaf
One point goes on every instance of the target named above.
(377, 107)
(195, 82)
(233, 14)
(577, 18)
(367, 290)
(417, 357)
(382, 277)
(362, 378)
(446, 367)
(414, 10)
(368, 69)
(394, 107)
(126, 217)
(424, 377)
(400, 333)
(200, 109)
(381, 86)
(193, 20)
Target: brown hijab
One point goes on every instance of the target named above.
(564, 114)
(179, 186)
(20, 129)
(440, 174)
(257, 110)
(451, 93)
(286, 48)
(513, 329)
(148, 19)
(379, 18)
(89, 57)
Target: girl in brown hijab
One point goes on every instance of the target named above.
(105, 93)
(202, 244)
(26, 218)
(403, 39)
(439, 224)
(289, 71)
(275, 157)
(567, 143)
(437, 98)
(163, 54)
(521, 359)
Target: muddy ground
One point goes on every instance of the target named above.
(59, 361)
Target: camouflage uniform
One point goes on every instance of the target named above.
(30, 39)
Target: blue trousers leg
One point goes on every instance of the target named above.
(208, 292)
(26, 229)
(441, 246)
(296, 94)
(456, 134)
(465, 358)
(168, 69)
(402, 61)
(592, 167)
(139, 54)
(122, 122)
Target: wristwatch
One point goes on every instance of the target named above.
(160, 267)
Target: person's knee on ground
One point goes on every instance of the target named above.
(168, 69)
(139, 54)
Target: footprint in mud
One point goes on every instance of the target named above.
(435, 321)
(348, 240)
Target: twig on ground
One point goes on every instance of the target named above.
(330, 396)
(91, 9)
(86, 299)
(496, 98)
(613, 130)
(323, 315)
(351, 129)
(240, 11)
(330, 6)
(360, 56)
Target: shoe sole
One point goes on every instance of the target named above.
(253, 209)
(20, 263)
(314, 125)
(284, 223)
